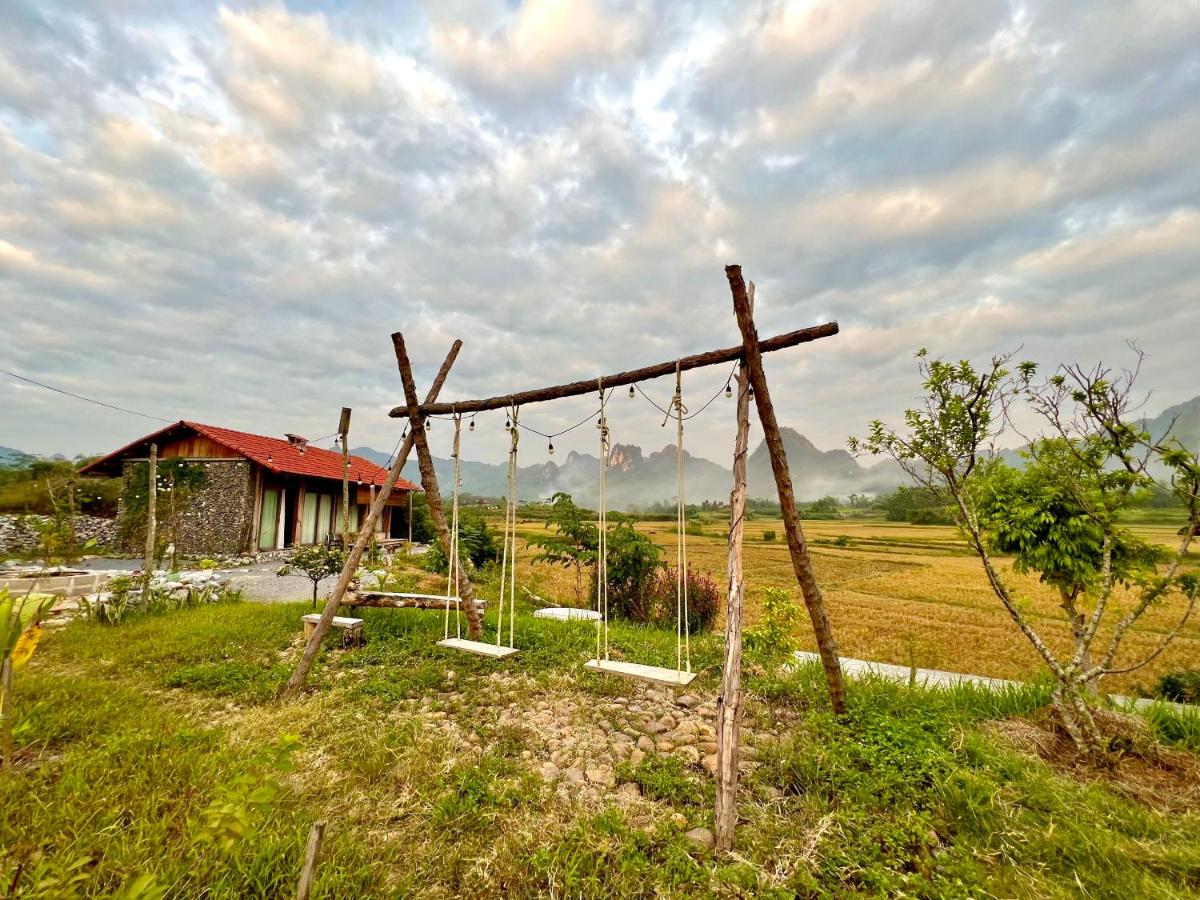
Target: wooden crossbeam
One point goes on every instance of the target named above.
(620, 379)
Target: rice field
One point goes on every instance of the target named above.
(911, 595)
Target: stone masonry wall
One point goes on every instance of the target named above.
(18, 534)
(217, 518)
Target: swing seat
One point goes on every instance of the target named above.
(480, 648)
(654, 674)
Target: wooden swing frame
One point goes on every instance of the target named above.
(752, 382)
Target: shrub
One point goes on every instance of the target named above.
(773, 638)
(704, 599)
(476, 546)
(1181, 686)
(768, 536)
(314, 563)
(125, 600)
(633, 560)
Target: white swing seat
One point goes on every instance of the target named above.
(655, 674)
(480, 648)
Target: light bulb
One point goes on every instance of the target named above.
(728, 390)
(471, 427)
(750, 393)
(428, 424)
(552, 448)
(631, 392)
(507, 423)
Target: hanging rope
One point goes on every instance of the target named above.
(602, 533)
(508, 562)
(683, 639)
(452, 562)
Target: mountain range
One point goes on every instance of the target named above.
(637, 479)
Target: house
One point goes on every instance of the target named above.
(261, 493)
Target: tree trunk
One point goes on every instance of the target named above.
(801, 560)
(729, 703)
(433, 495)
(365, 537)
(6, 739)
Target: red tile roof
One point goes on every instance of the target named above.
(274, 454)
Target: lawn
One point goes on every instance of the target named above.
(155, 749)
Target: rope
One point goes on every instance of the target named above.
(683, 639)
(508, 573)
(452, 563)
(602, 533)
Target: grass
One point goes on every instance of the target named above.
(130, 734)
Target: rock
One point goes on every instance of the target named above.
(655, 728)
(575, 774)
(678, 820)
(664, 746)
(710, 764)
(645, 744)
(636, 756)
(688, 754)
(630, 789)
(667, 722)
(687, 701)
(703, 837)
(708, 746)
(549, 771)
(687, 726)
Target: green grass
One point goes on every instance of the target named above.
(129, 734)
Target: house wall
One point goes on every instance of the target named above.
(218, 518)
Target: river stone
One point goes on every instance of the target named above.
(703, 837)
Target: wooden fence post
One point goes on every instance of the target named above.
(151, 524)
(344, 432)
(308, 875)
(729, 703)
(366, 534)
(433, 496)
(801, 560)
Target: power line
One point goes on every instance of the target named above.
(48, 387)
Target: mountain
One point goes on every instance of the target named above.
(1183, 420)
(11, 457)
(637, 479)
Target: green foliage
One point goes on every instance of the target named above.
(665, 778)
(477, 545)
(40, 485)
(171, 473)
(704, 599)
(423, 531)
(917, 505)
(1181, 686)
(773, 639)
(1054, 520)
(125, 600)
(768, 535)
(314, 563)
(575, 538)
(632, 560)
(1174, 725)
(244, 801)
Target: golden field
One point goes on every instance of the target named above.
(908, 594)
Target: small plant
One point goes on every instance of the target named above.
(20, 631)
(207, 564)
(842, 540)
(314, 563)
(245, 800)
(1180, 686)
(633, 560)
(704, 599)
(768, 536)
(773, 638)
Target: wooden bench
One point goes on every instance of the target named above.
(352, 630)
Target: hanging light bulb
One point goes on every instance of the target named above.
(631, 392)
(471, 427)
(728, 390)
(428, 424)
(552, 448)
(508, 423)
(750, 393)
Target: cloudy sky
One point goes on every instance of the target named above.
(220, 212)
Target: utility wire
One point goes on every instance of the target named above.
(48, 387)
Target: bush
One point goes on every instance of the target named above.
(1180, 686)
(476, 546)
(126, 601)
(704, 599)
(768, 536)
(633, 560)
(773, 638)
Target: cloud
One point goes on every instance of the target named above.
(222, 211)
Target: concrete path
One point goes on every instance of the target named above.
(937, 678)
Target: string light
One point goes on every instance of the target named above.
(728, 390)
(551, 448)
(631, 395)
(428, 424)
(508, 423)
(471, 427)
(750, 393)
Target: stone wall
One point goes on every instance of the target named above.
(19, 534)
(218, 517)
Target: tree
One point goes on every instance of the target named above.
(1061, 516)
(574, 542)
(20, 629)
(314, 563)
(631, 561)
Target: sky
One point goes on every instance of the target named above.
(220, 212)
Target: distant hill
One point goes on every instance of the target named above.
(1183, 420)
(11, 457)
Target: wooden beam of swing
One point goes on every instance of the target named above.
(620, 379)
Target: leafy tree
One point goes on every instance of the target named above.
(574, 542)
(314, 563)
(917, 505)
(1061, 516)
(476, 545)
(632, 561)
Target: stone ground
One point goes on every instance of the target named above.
(578, 742)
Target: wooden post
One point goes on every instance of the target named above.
(71, 537)
(344, 430)
(729, 702)
(365, 535)
(6, 749)
(433, 495)
(151, 514)
(801, 560)
(308, 875)
(410, 509)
